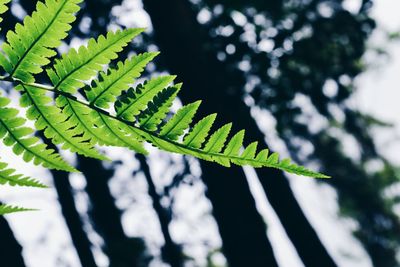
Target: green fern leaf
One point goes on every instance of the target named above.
(3, 7)
(110, 85)
(233, 148)
(30, 46)
(69, 73)
(55, 124)
(217, 139)
(234, 145)
(157, 110)
(250, 151)
(196, 137)
(80, 119)
(15, 134)
(95, 128)
(7, 209)
(123, 134)
(176, 126)
(212, 149)
(136, 100)
(140, 113)
(262, 155)
(216, 143)
(8, 176)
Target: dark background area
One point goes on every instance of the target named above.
(289, 62)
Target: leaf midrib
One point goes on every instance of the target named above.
(180, 146)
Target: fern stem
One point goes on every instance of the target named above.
(143, 132)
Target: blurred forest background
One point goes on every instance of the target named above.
(286, 70)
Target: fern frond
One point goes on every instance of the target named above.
(14, 133)
(214, 145)
(94, 128)
(157, 109)
(250, 151)
(123, 134)
(8, 176)
(54, 123)
(174, 129)
(30, 46)
(259, 161)
(233, 147)
(77, 66)
(112, 83)
(136, 99)
(176, 126)
(141, 113)
(199, 133)
(7, 209)
(218, 139)
(3, 8)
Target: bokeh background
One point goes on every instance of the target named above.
(316, 80)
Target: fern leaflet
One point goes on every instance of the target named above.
(8, 176)
(55, 124)
(110, 85)
(14, 133)
(30, 46)
(6, 209)
(3, 7)
(80, 65)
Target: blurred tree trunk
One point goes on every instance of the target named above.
(242, 229)
(171, 252)
(121, 250)
(180, 38)
(72, 218)
(10, 249)
(71, 215)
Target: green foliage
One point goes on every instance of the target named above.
(111, 84)
(5, 209)
(3, 7)
(80, 122)
(8, 176)
(15, 134)
(80, 65)
(31, 41)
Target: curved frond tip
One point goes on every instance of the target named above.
(7, 209)
(8, 176)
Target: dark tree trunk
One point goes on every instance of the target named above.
(72, 218)
(10, 249)
(242, 229)
(180, 38)
(121, 250)
(171, 252)
(71, 215)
